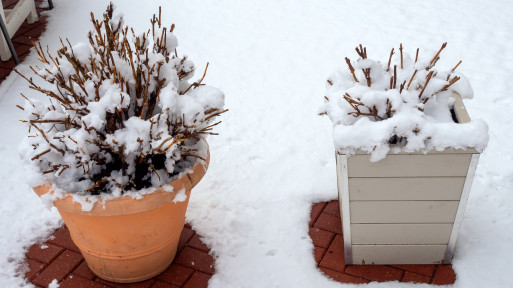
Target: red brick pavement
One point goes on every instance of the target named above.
(326, 234)
(58, 258)
(22, 40)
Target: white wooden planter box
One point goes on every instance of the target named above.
(406, 208)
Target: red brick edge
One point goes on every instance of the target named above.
(59, 258)
(326, 233)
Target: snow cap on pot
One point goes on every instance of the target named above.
(121, 113)
(404, 105)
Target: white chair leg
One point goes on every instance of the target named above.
(32, 17)
(5, 54)
(24, 9)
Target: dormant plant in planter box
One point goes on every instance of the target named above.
(406, 156)
(120, 143)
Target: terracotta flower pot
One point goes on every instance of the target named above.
(129, 240)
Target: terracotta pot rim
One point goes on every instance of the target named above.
(124, 204)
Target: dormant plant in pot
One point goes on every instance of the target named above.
(120, 143)
(406, 156)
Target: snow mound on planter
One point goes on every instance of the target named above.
(384, 108)
(121, 116)
(87, 201)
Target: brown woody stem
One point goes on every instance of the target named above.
(351, 69)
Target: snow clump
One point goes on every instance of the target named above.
(121, 114)
(405, 105)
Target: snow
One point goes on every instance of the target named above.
(54, 284)
(180, 196)
(274, 155)
(72, 145)
(367, 114)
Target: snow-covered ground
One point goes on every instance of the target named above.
(274, 155)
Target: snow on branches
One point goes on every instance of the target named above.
(407, 102)
(121, 114)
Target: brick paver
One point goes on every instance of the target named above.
(196, 243)
(332, 208)
(185, 237)
(73, 281)
(198, 280)
(326, 233)
(380, 273)
(196, 259)
(83, 271)
(59, 268)
(321, 238)
(334, 257)
(342, 277)
(316, 211)
(319, 253)
(143, 284)
(415, 278)
(329, 223)
(160, 284)
(192, 267)
(62, 239)
(33, 268)
(444, 275)
(44, 253)
(176, 275)
(426, 270)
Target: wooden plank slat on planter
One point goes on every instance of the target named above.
(401, 233)
(403, 211)
(460, 110)
(421, 152)
(431, 165)
(398, 254)
(415, 188)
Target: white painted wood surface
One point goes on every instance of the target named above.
(403, 211)
(13, 18)
(398, 254)
(460, 110)
(431, 165)
(446, 151)
(401, 233)
(415, 188)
